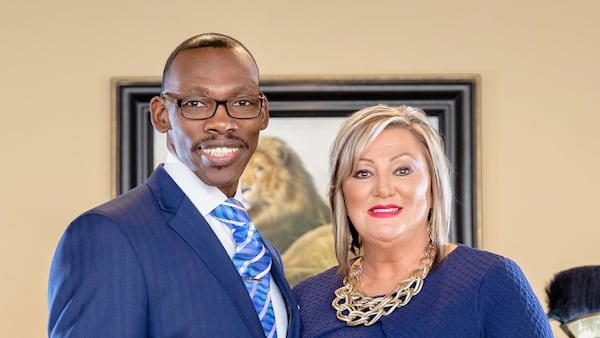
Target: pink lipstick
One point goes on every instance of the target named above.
(385, 211)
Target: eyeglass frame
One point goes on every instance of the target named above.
(178, 102)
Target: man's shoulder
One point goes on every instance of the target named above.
(158, 186)
(132, 203)
(127, 201)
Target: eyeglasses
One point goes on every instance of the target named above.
(202, 108)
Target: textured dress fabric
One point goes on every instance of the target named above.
(472, 293)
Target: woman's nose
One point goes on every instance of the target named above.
(383, 186)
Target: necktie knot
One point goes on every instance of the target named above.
(231, 211)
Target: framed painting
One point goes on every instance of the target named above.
(305, 115)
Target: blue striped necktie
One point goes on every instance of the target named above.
(251, 259)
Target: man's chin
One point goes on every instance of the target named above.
(224, 178)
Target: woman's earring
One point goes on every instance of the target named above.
(430, 227)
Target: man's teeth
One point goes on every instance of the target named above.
(220, 152)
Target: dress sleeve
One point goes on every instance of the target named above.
(96, 287)
(509, 306)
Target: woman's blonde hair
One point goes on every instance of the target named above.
(355, 134)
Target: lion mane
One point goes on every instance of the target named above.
(280, 194)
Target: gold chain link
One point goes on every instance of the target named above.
(354, 308)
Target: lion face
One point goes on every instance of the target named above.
(257, 180)
(268, 178)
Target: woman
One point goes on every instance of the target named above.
(398, 276)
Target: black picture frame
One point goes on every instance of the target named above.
(451, 99)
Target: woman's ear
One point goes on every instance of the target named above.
(159, 115)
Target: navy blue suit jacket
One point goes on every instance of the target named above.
(147, 264)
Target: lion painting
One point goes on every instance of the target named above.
(284, 204)
(310, 254)
(282, 200)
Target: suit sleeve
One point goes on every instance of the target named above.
(509, 305)
(96, 286)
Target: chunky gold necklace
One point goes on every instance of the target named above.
(355, 308)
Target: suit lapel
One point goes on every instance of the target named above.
(184, 218)
(278, 274)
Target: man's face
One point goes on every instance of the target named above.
(216, 149)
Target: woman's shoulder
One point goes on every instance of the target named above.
(318, 291)
(327, 279)
(503, 292)
(314, 296)
(480, 256)
(477, 262)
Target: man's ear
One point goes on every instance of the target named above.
(159, 115)
(265, 114)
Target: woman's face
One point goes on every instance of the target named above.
(388, 194)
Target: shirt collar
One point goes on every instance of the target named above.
(204, 197)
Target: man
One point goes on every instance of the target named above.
(157, 261)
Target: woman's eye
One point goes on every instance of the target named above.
(361, 174)
(404, 171)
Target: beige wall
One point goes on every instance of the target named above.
(539, 69)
